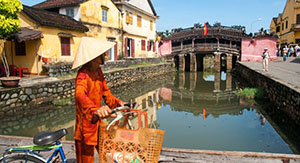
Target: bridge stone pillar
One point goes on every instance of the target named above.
(193, 66)
(229, 62)
(181, 45)
(217, 61)
(228, 81)
(217, 82)
(181, 62)
(181, 80)
(193, 80)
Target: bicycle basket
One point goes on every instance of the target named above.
(123, 145)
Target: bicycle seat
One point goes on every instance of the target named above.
(48, 137)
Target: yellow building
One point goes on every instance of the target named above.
(287, 24)
(102, 18)
(43, 37)
(139, 25)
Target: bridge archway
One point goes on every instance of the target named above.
(176, 61)
(223, 62)
(200, 60)
(187, 59)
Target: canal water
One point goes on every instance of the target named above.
(196, 110)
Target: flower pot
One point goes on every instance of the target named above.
(10, 81)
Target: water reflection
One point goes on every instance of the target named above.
(197, 110)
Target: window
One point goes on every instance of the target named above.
(104, 14)
(129, 18)
(150, 45)
(70, 12)
(139, 21)
(65, 46)
(297, 41)
(282, 26)
(20, 48)
(298, 18)
(151, 25)
(286, 25)
(277, 29)
(143, 45)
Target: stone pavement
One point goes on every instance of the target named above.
(30, 80)
(170, 155)
(287, 72)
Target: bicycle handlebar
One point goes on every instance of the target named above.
(117, 109)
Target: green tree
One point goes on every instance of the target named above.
(9, 21)
(9, 24)
(167, 33)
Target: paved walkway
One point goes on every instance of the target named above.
(287, 72)
(171, 155)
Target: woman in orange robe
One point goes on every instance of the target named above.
(90, 89)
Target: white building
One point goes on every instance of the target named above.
(139, 26)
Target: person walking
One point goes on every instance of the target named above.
(278, 51)
(265, 57)
(284, 52)
(90, 88)
(297, 50)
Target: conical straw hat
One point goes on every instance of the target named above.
(89, 49)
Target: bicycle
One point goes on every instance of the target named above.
(44, 142)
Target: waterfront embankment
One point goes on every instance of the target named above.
(35, 91)
(281, 84)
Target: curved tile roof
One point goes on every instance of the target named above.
(47, 18)
(57, 3)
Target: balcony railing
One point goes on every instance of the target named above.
(204, 46)
(295, 27)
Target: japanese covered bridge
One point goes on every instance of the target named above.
(219, 49)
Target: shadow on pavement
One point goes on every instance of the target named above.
(71, 161)
(296, 60)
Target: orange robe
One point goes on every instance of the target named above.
(89, 91)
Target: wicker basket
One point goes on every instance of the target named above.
(124, 145)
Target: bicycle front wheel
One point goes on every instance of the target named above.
(21, 158)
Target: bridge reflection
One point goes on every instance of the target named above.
(190, 92)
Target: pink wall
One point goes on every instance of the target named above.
(252, 49)
(164, 47)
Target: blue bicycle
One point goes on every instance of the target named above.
(44, 141)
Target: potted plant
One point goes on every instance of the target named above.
(9, 25)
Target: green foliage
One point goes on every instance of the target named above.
(63, 101)
(251, 93)
(9, 21)
(140, 64)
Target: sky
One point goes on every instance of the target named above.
(185, 13)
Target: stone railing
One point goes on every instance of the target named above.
(23, 98)
(128, 62)
(62, 69)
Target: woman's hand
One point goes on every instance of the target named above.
(103, 112)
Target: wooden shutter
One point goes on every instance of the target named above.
(148, 46)
(132, 49)
(131, 18)
(126, 45)
(65, 46)
(151, 25)
(139, 21)
(154, 46)
(127, 18)
(143, 45)
(116, 51)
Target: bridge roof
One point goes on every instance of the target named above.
(213, 32)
